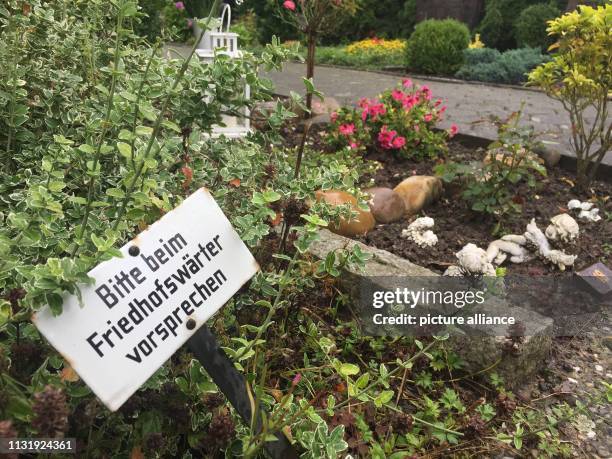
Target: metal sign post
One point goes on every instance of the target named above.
(205, 348)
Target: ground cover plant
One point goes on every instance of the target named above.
(491, 66)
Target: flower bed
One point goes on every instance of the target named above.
(456, 224)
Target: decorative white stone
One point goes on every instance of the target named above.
(473, 260)
(590, 215)
(498, 251)
(454, 271)
(419, 231)
(516, 238)
(562, 227)
(536, 238)
(587, 211)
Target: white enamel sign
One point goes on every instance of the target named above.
(188, 264)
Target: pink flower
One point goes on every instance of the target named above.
(399, 142)
(347, 129)
(409, 102)
(288, 4)
(428, 117)
(372, 109)
(354, 145)
(179, 6)
(438, 102)
(442, 109)
(426, 92)
(398, 95)
(406, 82)
(296, 379)
(189, 23)
(333, 116)
(389, 140)
(453, 130)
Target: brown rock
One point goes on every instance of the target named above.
(549, 155)
(418, 191)
(386, 205)
(359, 225)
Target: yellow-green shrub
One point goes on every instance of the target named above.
(579, 77)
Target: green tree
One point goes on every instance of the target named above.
(532, 23)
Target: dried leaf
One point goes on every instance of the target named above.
(276, 220)
(68, 374)
(235, 182)
(188, 173)
(137, 453)
(277, 394)
(287, 432)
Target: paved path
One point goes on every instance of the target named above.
(470, 106)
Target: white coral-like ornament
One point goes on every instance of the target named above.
(453, 271)
(587, 211)
(473, 260)
(498, 251)
(590, 215)
(420, 232)
(536, 237)
(563, 228)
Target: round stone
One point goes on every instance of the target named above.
(386, 205)
(419, 191)
(362, 223)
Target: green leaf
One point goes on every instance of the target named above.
(348, 369)
(55, 302)
(56, 185)
(62, 140)
(115, 192)
(86, 148)
(125, 149)
(314, 219)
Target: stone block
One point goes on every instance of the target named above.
(480, 349)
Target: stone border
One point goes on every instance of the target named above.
(478, 352)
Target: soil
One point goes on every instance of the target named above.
(456, 224)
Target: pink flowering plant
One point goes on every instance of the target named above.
(400, 120)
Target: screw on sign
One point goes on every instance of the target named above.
(145, 305)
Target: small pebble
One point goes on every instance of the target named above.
(572, 380)
(591, 434)
(577, 369)
(598, 368)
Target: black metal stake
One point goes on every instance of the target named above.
(205, 348)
